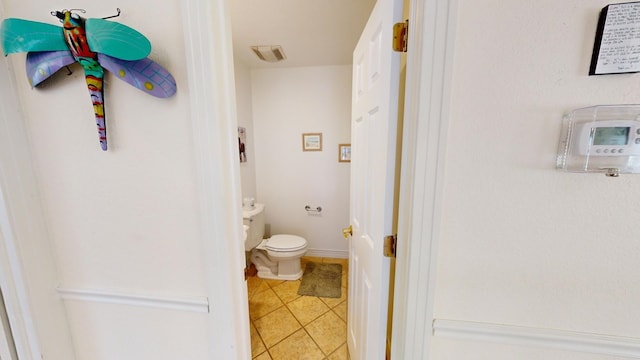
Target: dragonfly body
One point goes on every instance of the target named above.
(75, 35)
(95, 44)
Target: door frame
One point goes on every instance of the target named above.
(10, 276)
(431, 43)
(427, 98)
(26, 265)
(210, 70)
(14, 290)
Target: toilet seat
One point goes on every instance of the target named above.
(284, 242)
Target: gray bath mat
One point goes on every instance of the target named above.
(322, 280)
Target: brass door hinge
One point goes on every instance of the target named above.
(389, 248)
(400, 36)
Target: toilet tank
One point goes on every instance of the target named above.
(254, 218)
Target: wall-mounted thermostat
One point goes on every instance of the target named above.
(603, 139)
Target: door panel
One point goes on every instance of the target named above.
(376, 73)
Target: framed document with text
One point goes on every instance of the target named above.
(616, 49)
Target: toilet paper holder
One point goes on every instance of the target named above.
(310, 209)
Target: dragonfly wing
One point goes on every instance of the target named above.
(145, 74)
(23, 35)
(42, 64)
(117, 40)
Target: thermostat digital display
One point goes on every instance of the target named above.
(609, 138)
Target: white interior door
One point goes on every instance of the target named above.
(376, 71)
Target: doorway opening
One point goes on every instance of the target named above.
(318, 43)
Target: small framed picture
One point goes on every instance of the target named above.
(344, 153)
(312, 142)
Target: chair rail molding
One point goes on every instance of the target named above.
(548, 338)
(172, 302)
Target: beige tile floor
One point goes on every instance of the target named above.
(285, 325)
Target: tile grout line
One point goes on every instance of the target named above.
(288, 336)
(284, 303)
(261, 341)
(314, 340)
(307, 332)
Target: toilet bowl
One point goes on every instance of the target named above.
(277, 257)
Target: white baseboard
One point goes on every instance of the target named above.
(181, 303)
(336, 254)
(548, 338)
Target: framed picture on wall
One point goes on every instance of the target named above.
(312, 142)
(344, 153)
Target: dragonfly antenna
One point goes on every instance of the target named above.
(112, 16)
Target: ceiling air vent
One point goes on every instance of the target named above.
(270, 53)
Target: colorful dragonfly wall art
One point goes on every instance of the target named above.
(96, 44)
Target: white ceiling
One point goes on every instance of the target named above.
(311, 32)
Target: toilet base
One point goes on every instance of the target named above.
(276, 270)
(271, 276)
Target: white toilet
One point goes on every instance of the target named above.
(277, 257)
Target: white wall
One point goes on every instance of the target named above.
(245, 119)
(107, 210)
(288, 102)
(524, 244)
(122, 223)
